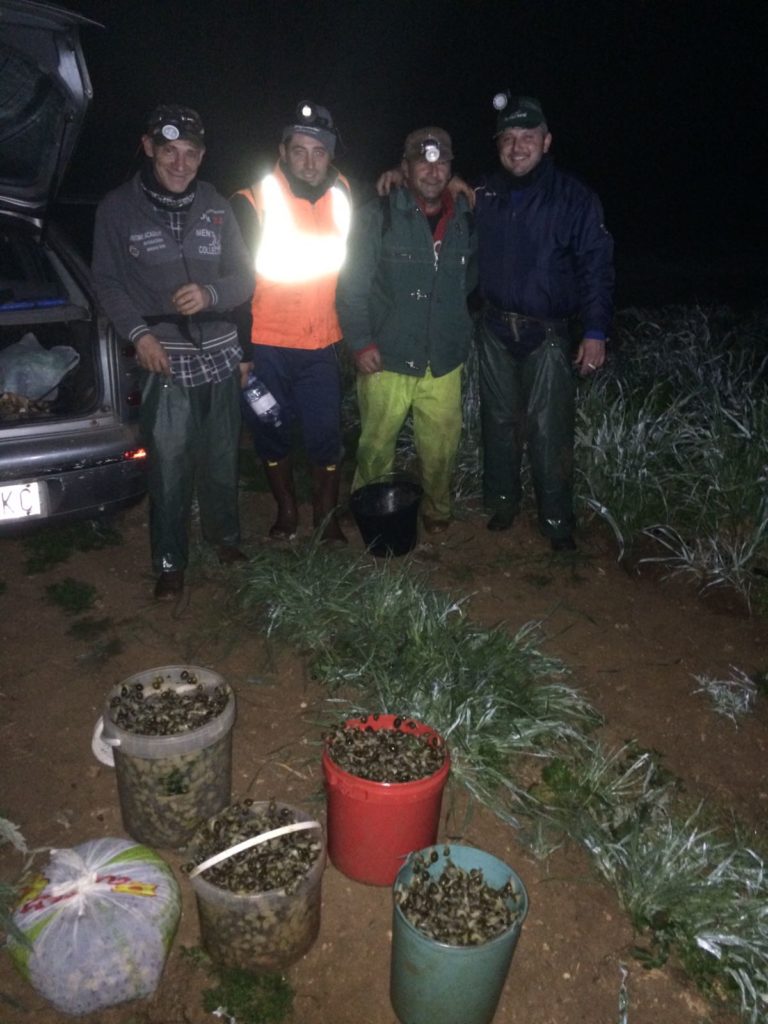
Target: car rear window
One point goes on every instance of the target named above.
(27, 278)
(32, 111)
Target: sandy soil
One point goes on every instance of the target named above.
(633, 644)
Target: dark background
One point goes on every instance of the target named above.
(659, 104)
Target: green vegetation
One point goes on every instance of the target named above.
(9, 892)
(56, 544)
(89, 629)
(244, 997)
(101, 637)
(522, 743)
(250, 998)
(72, 596)
(733, 697)
(673, 444)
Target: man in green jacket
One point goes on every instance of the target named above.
(402, 305)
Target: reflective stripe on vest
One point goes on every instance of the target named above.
(290, 254)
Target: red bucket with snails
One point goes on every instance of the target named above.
(372, 825)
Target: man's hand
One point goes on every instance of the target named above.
(389, 180)
(368, 361)
(191, 298)
(151, 355)
(590, 356)
(245, 370)
(458, 187)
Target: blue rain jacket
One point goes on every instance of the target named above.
(545, 252)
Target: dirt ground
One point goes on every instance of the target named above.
(633, 644)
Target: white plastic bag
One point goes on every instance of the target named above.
(29, 369)
(100, 919)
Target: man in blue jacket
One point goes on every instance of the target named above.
(546, 268)
(402, 305)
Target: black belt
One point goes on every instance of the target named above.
(183, 322)
(517, 320)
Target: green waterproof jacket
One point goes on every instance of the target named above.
(397, 292)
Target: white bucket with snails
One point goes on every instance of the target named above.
(257, 870)
(170, 729)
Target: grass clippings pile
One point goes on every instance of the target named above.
(521, 742)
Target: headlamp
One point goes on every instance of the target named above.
(430, 150)
(307, 114)
(174, 122)
(500, 100)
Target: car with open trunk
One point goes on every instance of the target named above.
(69, 387)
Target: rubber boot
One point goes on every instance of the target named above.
(280, 479)
(326, 481)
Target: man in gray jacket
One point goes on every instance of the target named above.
(402, 304)
(169, 264)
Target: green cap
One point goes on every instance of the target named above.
(518, 112)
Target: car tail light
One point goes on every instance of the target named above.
(135, 453)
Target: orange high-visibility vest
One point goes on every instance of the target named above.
(300, 250)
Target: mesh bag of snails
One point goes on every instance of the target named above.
(256, 869)
(98, 922)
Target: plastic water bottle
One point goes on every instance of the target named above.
(262, 401)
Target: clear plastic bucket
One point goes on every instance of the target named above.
(167, 785)
(261, 931)
(434, 983)
(373, 826)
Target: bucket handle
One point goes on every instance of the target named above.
(246, 844)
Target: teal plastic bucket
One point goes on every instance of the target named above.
(434, 983)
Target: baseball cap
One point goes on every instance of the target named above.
(314, 120)
(169, 122)
(428, 144)
(517, 112)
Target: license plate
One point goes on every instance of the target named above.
(20, 501)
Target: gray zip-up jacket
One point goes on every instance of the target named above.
(138, 265)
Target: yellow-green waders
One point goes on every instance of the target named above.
(385, 399)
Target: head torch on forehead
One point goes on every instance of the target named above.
(430, 150)
(517, 111)
(311, 116)
(170, 122)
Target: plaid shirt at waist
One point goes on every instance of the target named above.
(190, 370)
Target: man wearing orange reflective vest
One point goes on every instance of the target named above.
(297, 219)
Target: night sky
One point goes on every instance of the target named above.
(659, 104)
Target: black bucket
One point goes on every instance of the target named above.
(386, 513)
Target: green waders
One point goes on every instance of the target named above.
(529, 401)
(192, 437)
(384, 400)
